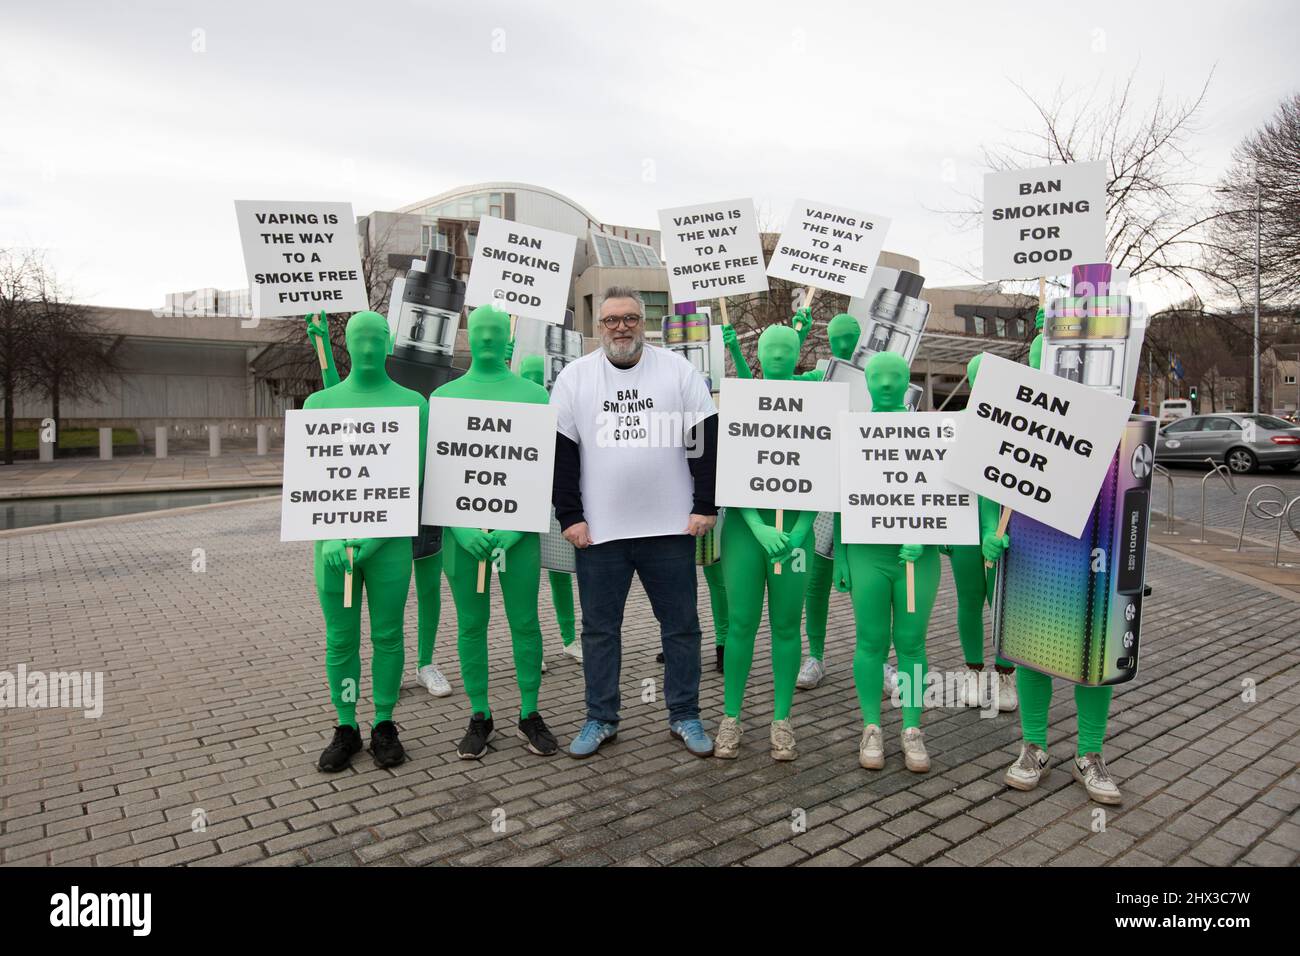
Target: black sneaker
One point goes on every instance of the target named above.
(338, 755)
(540, 740)
(659, 658)
(721, 652)
(474, 744)
(384, 745)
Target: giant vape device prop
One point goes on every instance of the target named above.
(893, 317)
(1072, 607)
(425, 324)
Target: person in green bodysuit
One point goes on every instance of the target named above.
(1092, 704)
(875, 575)
(532, 368)
(974, 584)
(426, 547)
(752, 546)
(380, 566)
(515, 555)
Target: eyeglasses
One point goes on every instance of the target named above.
(612, 322)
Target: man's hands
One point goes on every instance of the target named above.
(909, 553)
(480, 544)
(577, 535)
(992, 546)
(699, 525)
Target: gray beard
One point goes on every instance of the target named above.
(626, 355)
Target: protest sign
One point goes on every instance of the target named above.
(489, 465)
(777, 444)
(301, 257)
(892, 489)
(523, 270)
(829, 247)
(1035, 443)
(713, 250)
(1040, 222)
(350, 473)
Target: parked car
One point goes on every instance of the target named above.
(1243, 442)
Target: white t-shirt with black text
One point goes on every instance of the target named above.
(631, 428)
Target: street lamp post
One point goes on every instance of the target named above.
(1255, 338)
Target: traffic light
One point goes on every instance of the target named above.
(1192, 393)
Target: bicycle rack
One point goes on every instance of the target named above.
(1169, 508)
(1286, 515)
(1262, 510)
(1222, 470)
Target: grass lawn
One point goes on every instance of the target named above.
(25, 439)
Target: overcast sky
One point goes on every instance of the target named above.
(129, 127)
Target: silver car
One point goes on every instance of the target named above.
(1243, 442)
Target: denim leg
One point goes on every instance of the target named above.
(666, 567)
(604, 574)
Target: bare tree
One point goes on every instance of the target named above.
(1264, 180)
(19, 278)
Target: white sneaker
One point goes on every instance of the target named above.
(914, 755)
(574, 650)
(726, 742)
(871, 751)
(1028, 769)
(812, 673)
(1005, 689)
(782, 739)
(543, 665)
(433, 681)
(1090, 770)
(891, 681)
(969, 692)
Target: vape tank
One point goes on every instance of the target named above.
(1072, 607)
(1085, 334)
(690, 333)
(895, 320)
(426, 323)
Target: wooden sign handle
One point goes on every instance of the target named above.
(722, 307)
(911, 586)
(1003, 519)
(482, 570)
(809, 293)
(320, 353)
(780, 520)
(347, 581)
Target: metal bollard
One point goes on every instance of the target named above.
(106, 444)
(46, 449)
(160, 441)
(263, 440)
(1169, 508)
(1222, 471)
(214, 441)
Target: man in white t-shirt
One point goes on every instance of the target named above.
(635, 457)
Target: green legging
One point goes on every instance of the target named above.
(562, 599)
(818, 604)
(718, 601)
(879, 589)
(974, 587)
(385, 576)
(428, 595)
(520, 576)
(1092, 704)
(746, 569)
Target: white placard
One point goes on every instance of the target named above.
(489, 465)
(301, 257)
(777, 444)
(1038, 444)
(712, 250)
(350, 473)
(829, 247)
(892, 489)
(1040, 222)
(522, 270)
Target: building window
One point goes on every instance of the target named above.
(1288, 379)
(656, 307)
(1002, 328)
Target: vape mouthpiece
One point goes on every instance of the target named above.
(684, 308)
(1091, 280)
(910, 284)
(440, 264)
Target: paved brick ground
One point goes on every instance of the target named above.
(89, 476)
(1223, 507)
(216, 709)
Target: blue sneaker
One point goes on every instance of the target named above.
(691, 733)
(593, 734)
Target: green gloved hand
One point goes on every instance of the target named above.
(507, 539)
(479, 544)
(775, 544)
(992, 546)
(729, 336)
(909, 553)
(802, 323)
(510, 349)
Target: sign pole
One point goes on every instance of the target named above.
(780, 520)
(482, 569)
(911, 586)
(809, 293)
(347, 581)
(722, 307)
(320, 342)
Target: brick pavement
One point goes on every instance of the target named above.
(216, 709)
(131, 473)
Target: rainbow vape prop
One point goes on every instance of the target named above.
(1072, 607)
(425, 324)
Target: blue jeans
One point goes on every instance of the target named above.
(666, 567)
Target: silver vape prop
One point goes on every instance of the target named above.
(1094, 335)
(894, 321)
